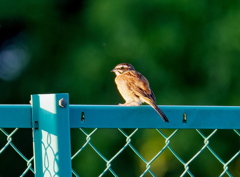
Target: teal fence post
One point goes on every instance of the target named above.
(51, 135)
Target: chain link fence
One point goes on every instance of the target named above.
(161, 154)
(16, 154)
(135, 152)
(32, 149)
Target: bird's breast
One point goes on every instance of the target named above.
(125, 90)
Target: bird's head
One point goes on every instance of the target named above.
(122, 68)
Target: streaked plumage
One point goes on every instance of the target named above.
(134, 88)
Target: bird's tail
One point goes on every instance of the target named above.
(160, 112)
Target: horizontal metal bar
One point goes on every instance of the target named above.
(197, 117)
(109, 116)
(15, 116)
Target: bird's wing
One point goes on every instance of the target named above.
(140, 85)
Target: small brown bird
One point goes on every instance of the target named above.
(134, 88)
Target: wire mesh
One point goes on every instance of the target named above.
(139, 152)
(170, 150)
(10, 150)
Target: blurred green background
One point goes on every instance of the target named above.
(189, 51)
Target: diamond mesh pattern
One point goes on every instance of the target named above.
(166, 149)
(155, 156)
(7, 140)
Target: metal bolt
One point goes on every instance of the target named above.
(62, 103)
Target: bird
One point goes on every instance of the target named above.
(135, 88)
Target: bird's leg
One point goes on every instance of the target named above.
(129, 104)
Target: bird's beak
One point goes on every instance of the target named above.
(114, 70)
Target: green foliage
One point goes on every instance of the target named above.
(188, 50)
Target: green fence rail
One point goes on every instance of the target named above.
(56, 152)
